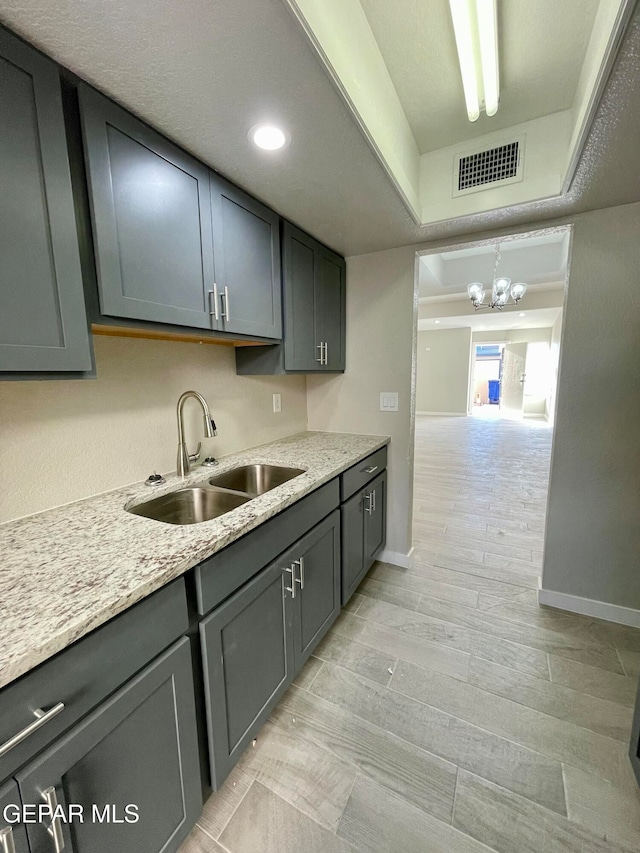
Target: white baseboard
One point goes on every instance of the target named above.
(444, 414)
(589, 607)
(396, 558)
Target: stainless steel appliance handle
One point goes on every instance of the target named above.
(55, 828)
(42, 718)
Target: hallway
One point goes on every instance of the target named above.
(445, 711)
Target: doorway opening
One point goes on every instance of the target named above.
(474, 476)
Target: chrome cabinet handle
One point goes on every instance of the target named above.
(299, 580)
(42, 718)
(292, 588)
(320, 346)
(370, 469)
(6, 840)
(55, 828)
(225, 295)
(326, 353)
(373, 496)
(368, 507)
(214, 309)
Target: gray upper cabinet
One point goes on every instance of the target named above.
(314, 293)
(151, 215)
(43, 324)
(315, 304)
(139, 748)
(247, 263)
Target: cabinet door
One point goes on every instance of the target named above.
(139, 748)
(330, 307)
(13, 836)
(43, 323)
(246, 237)
(315, 564)
(301, 350)
(353, 565)
(247, 651)
(151, 219)
(375, 521)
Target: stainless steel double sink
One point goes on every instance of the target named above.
(221, 494)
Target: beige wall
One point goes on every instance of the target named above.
(442, 377)
(593, 537)
(380, 345)
(65, 440)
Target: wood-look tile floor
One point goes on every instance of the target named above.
(446, 712)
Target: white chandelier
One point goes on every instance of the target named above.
(501, 291)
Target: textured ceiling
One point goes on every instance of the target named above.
(542, 48)
(205, 71)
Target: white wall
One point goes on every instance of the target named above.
(442, 377)
(554, 358)
(381, 324)
(593, 537)
(538, 378)
(65, 440)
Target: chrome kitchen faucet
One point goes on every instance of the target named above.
(185, 458)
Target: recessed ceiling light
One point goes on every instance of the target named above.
(521, 314)
(436, 322)
(269, 137)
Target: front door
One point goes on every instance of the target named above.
(514, 358)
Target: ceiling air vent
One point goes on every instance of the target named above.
(479, 170)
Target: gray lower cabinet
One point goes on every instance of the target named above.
(364, 522)
(135, 755)
(634, 746)
(246, 237)
(13, 835)
(43, 324)
(254, 644)
(151, 218)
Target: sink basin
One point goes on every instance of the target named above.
(189, 506)
(255, 479)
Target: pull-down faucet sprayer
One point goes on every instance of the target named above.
(185, 458)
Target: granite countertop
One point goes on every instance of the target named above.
(66, 571)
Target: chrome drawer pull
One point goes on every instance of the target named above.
(6, 840)
(370, 469)
(225, 295)
(42, 718)
(292, 588)
(213, 300)
(55, 829)
(299, 580)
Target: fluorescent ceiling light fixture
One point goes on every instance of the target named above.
(269, 137)
(475, 25)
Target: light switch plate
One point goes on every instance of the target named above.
(388, 401)
(277, 403)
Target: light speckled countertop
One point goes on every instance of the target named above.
(66, 571)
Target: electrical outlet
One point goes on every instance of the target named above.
(388, 401)
(277, 403)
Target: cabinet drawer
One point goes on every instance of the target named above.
(85, 673)
(359, 475)
(221, 575)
